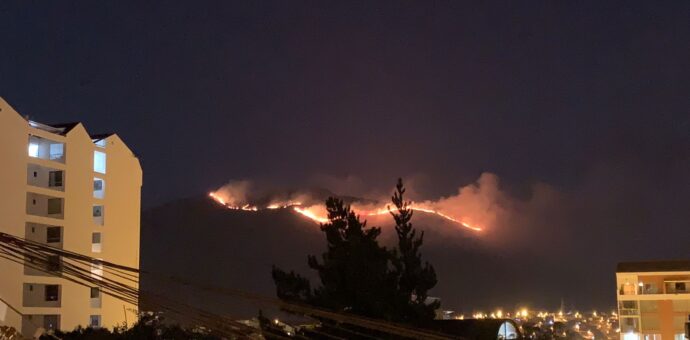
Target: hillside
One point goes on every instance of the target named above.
(197, 238)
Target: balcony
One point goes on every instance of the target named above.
(43, 233)
(44, 177)
(31, 322)
(50, 267)
(677, 287)
(648, 288)
(46, 149)
(41, 295)
(44, 205)
(629, 325)
(628, 308)
(681, 286)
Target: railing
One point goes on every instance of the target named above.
(629, 311)
(677, 287)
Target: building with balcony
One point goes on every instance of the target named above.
(67, 189)
(653, 299)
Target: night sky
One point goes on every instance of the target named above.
(590, 100)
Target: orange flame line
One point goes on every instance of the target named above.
(305, 212)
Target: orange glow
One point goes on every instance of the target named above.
(430, 211)
(319, 216)
(217, 198)
(311, 215)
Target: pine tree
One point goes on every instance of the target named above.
(359, 276)
(415, 278)
(355, 271)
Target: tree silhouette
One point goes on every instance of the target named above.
(415, 278)
(362, 277)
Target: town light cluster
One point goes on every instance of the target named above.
(544, 324)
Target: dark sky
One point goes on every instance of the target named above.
(590, 98)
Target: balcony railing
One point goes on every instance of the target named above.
(677, 287)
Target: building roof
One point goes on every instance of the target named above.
(100, 136)
(60, 129)
(654, 266)
(66, 127)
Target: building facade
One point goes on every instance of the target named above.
(67, 189)
(653, 299)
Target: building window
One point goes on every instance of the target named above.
(97, 211)
(56, 151)
(33, 150)
(95, 292)
(51, 322)
(99, 162)
(52, 292)
(98, 188)
(96, 242)
(54, 263)
(54, 206)
(53, 234)
(95, 321)
(55, 179)
(97, 270)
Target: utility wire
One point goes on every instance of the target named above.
(19, 250)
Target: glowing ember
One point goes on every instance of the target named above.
(319, 216)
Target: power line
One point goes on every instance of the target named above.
(72, 267)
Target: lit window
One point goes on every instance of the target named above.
(99, 162)
(97, 269)
(56, 151)
(33, 150)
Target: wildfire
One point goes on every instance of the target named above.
(310, 214)
(429, 211)
(319, 216)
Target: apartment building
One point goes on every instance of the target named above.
(653, 299)
(68, 189)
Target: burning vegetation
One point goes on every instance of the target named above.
(474, 207)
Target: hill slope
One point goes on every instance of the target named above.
(200, 240)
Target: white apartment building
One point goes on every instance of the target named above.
(65, 188)
(653, 299)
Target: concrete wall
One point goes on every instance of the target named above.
(14, 155)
